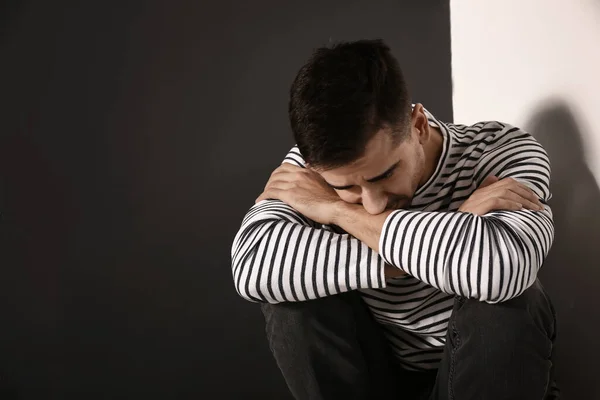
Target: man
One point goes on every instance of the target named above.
(396, 256)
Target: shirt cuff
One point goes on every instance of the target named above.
(386, 239)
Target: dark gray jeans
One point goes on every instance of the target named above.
(332, 348)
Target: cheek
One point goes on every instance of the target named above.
(401, 185)
(412, 175)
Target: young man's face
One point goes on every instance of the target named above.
(387, 176)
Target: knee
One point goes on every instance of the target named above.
(293, 318)
(303, 309)
(507, 345)
(531, 312)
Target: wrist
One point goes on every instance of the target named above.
(355, 220)
(340, 209)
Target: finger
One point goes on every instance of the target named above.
(529, 198)
(289, 167)
(277, 188)
(260, 198)
(288, 174)
(282, 185)
(270, 194)
(279, 175)
(508, 194)
(527, 193)
(533, 195)
(503, 199)
(499, 204)
(279, 171)
(285, 168)
(522, 190)
(282, 182)
(488, 181)
(513, 193)
(263, 196)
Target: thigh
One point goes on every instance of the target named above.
(330, 348)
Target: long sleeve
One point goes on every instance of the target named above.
(278, 255)
(493, 257)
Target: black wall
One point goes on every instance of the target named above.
(134, 137)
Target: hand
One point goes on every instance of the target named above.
(305, 191)
(504, 194)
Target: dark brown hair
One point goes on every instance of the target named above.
(342, 97)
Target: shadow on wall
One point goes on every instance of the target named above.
(571, 274)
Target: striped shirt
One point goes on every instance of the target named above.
(279, 255)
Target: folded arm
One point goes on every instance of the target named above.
(492, 258)
(279, 255)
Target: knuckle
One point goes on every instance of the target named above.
(511, 180)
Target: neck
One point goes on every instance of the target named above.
(433, 152)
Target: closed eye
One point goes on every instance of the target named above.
(378, 178)
(387, 175)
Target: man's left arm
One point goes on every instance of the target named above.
(492, 257)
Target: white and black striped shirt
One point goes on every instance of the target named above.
(279, 255)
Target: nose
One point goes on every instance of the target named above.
(374, 201)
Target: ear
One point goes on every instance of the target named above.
(420, 124)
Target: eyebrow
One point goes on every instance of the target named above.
(371, 180)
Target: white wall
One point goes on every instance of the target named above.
(509, 56)
(536, 64)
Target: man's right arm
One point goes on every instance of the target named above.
(278, 255)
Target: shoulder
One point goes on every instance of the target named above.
(501, 149)
(488, 134)
(494, 139)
